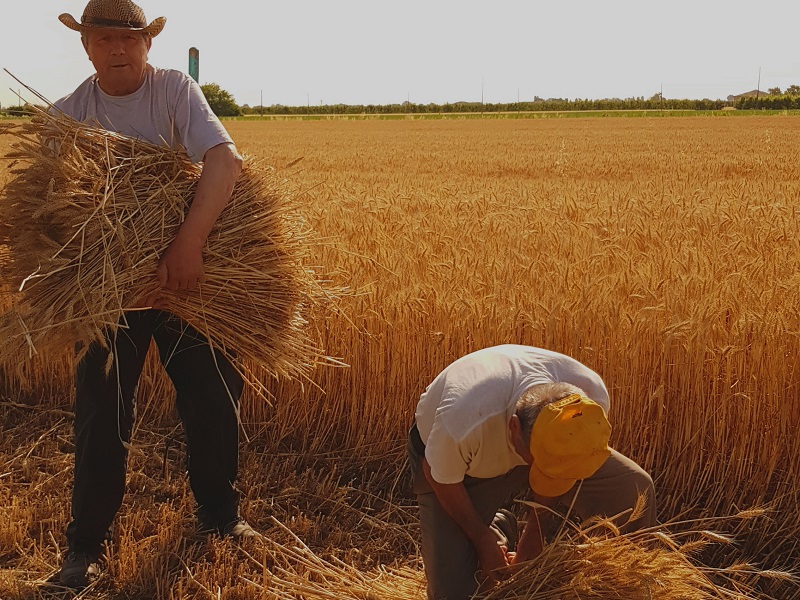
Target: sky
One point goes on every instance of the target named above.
(297, 52)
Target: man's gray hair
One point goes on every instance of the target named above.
(533, 399)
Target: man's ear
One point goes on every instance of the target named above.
(516, 427)
(514, 424)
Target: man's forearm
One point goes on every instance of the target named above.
(181, 266)
(221, 168)
(459, 506)
(531, 541)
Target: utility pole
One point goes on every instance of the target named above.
(261, 105)
(758, 87)
(194, 64)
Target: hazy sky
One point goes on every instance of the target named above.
(361, 52)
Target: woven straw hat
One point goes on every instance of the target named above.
(115, 14)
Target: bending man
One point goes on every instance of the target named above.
(494, 423)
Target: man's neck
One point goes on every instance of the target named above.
(122, 90)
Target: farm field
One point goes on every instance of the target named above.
(662, 252)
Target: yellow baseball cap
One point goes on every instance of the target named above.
(569, 441)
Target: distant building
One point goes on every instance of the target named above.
(750, 94)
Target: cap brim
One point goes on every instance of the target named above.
(547, 486)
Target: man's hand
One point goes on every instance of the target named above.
(181, 266)
(531, 542)
(514, 559)
(492, 558)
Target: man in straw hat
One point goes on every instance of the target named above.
(129, 96)
(494, 423)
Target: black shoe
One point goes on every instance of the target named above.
(238, 529)
(79, 569)
(506, 523)
(235, 528)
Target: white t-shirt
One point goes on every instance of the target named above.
(168, 109)
(464, 413)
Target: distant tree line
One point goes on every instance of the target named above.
(17, 111)
(770, 102)
(224, 104)
(792, 90)
(774, 99)
(550, 104)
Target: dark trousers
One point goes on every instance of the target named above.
(208, 389)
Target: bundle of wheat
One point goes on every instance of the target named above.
(665, 562)
(86, 217)
(605, 568)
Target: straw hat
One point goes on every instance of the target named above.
(569, 441)
(114, 14)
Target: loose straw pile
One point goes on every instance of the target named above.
(598, 564)
(86, 218)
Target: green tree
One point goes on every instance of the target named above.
(221, 101)
(793, 90)
(776, 91)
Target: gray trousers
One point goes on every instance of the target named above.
(450, 560)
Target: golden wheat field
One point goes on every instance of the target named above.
(662, 252)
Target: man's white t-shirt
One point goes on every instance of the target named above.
(168, 109)
(464, 413)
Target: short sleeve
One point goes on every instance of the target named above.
(444, 455)
(196, 124)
